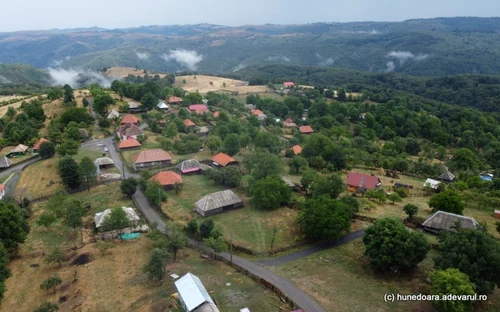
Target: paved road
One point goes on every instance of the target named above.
(312, 250)
(293, 292)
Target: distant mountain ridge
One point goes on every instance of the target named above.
(423, 47)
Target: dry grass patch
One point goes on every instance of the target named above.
(122, 72)
(204, 84)
(3, 109)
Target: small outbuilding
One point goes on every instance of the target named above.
(202, 131)
(193, 295)
(5, 162)
(218, 202)
(288, 123)
(191, 166)
(129, 144)
(296, 149)
(134, 107)
(188, 123)
(113, 114)
(446, 176)
(306, 129)
(433, 184)
(129, 118)
(36, 147)
(19, 150)
(223, 160)
(150, 158)
(103, 162)
(167, 179)
(99, 218)
(174, 100)
(162, 106)
(444, 221)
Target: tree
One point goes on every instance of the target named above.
(47, 307)
(192, 227)
(331, 185)
(54, 94)
(171, 131)
(229, 176)
(297, 164)
(47, 150)
(68, 94)
(473, 252)
(176, 241)
(394, 197)
(269, 141)
(217, 244)
(351, 204)
(206, 228)
(103, 246)
(391, 247)
(128, 186)
(155, 268)
(307, 179)
(55, 255)
(116, 220)
(74, 213)
(262, 163)
(410, 210)
(451, 282)
(51, 283)
(449, 201)
(464, 159)
(497, 224)
(46, 220)
(88, 171)
(68, 148)
(4, 269)
(270, 193)
(213, 143)
(323, 218)
(72, 132)
(101, 102)
(155, 193)
(232, 144)
(402, 192)
(13, 225)
(149, 101)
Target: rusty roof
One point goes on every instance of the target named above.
(223, 159)
(167, 178)
(151, 156)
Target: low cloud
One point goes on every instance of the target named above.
(278, 58)
(4, 80)
(403, 56)
(327, 62)
(78, 77)
(188, 58)
(142, 56)
(369, 32)
(390, 67)
(240, 66)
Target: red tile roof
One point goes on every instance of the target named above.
(198, 108)
(306, 129)
(129, 118)
(39, 142)
(296, 149)
(129, 143)
(189, 123)
(362, 180)
(167, 178)
(256, 112)
(174, 99)
(152, 155)
(216, 114)
(288, 120)
(223, 159)
(2, 187)
(288, 84)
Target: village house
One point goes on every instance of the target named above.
(129, 118)
(129, 131)
(100, 217)
(296, 149)
(193, 295)
(134, 108)
(36, 147)
(113, 114)
(202, 131)
(360, 182)
(446, 176)
(191, 166)
(260, 115)
(150, 158)
(174, 100)
(444, 221)
(218, 202)
(162, 106)
(103, 163)
(223, 160)
(167, 179)
(198, 108)
(306, 129)
(189, 124)
(288, 123)
(129, 144)
(19, 150)
(2, 190)
(288, 84)
(5, 162)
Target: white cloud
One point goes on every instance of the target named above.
(327, 62)
(75, 77)
(421, 56)
(187, 58)
(278, 58)
(142, 56)
(403, 56)
(4, 80)
(240, 66)
(390, 66)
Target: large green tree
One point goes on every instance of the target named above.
(213, 143)
(68, 148)
(269, 141)
(128, 186)
(68, 94)
(88, 171)
(149, 101)
(262, 163)
(331, 185)
(47, 150)
(464, 159)
(69, 171)
(473, 252)
(116, 220)
(270, 193)
(323, 218)
(4, 269)
(13, 225)
(232, 144)
(390, 246)
(451, 282)
(155, 193)
(101, 102)
(176, 240)
(449, 201)
(155, 268)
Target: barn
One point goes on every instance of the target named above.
(218, 202)
(360, 182)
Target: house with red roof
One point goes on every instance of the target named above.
(188, 123)
(289, 84)
(150, 158)
(223, 160)
(297, 149)
(216, 114)
(129, 144)
(257, 112)
(167, 179)
(306, 129)
(129, 118)
(174, 100)
(129, 131)
(288, 123)
(360, 182)
(36, 147)
(198, 108)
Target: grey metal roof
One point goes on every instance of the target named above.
(202, 130)
(207, 307)
(446, 176)
(104, 161)
(5, 162)
(113, 114)
(133, 105)
(101, 216)
(442, 220)
(188, 164)
(218, 200)
(192, 292)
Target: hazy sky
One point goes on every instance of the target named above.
(48, 14)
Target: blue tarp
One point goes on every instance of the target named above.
(130, 236)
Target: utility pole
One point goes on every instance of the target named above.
(231, 249)
(123, 170)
